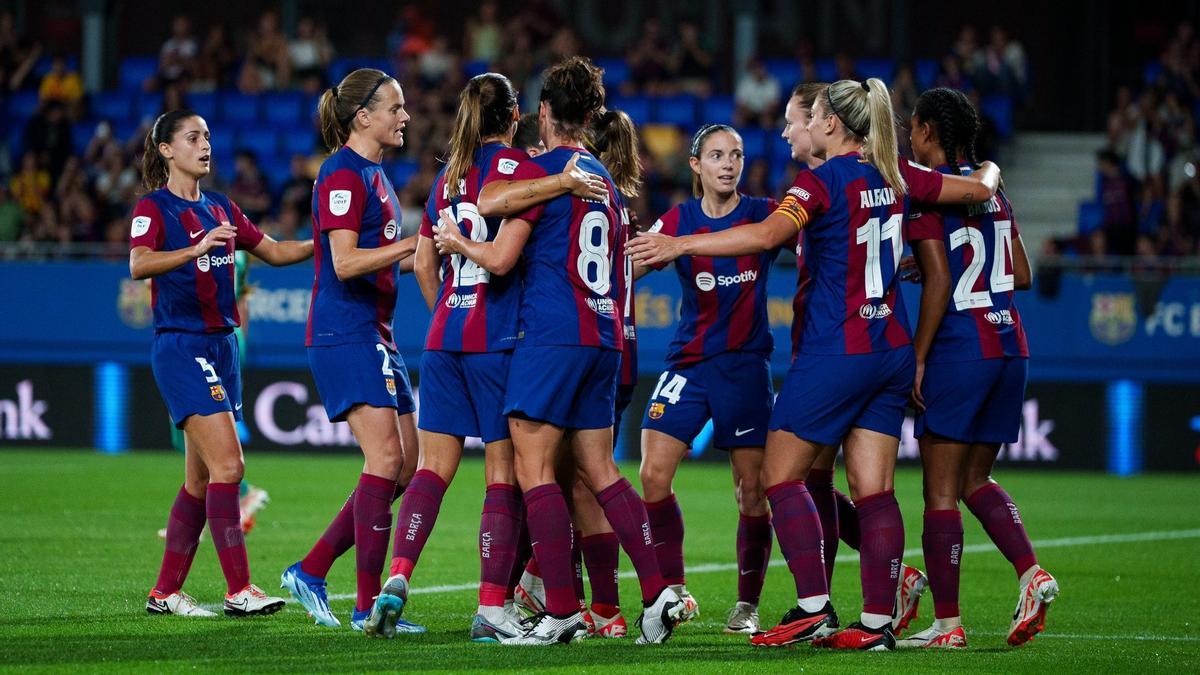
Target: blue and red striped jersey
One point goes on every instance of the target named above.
(803, 286)
(475, 311)
(853, 225)
(197, 297)
(572, 271)
(626, 297)
(981, 320)
(724, 305)
(352, 193)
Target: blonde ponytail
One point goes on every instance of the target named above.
(465, 138)
(865, 109)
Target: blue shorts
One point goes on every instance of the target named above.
(197, 374)
(624, 398)
(732, 389)
(568, 386)
(462, 394)
(368, 373)
(974, 401)
(825, 396)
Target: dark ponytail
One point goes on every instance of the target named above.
(339, 104)
(154, 166)
(574, 90)
(956, 122)
(615, 140)
(485, 108)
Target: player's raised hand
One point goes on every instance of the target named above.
(216, 238)
(583, 184)
(654, 248)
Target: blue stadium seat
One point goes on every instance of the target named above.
(239, 108)
(282, 108)
(222, 142)
(785, 71)
(679, 110)
(1000, 110)
(22, 105)
(881, 68)
(1091, 217)
(616, 71)
(42, 66)
(755, 143)
(1152, 71)
(81, 136)
(135, 70)
(148, 106)
(341, 67)
(262, 141)
(826, 69)
(400, 172)
(16, 144)
(637, 107)
(476, 67)
(205, 105)
(276, 169)
(780, 151)
(925, 71)
(223, 163)
(116, 106)
(129, 130)
(298, 140)
(716, 109)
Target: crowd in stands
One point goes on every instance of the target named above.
(69, 160)
(1147, 200)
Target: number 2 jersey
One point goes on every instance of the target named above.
(853, 226)
(724, 305)
(475, 311)
(572, 267)
(199, 296)
(352, 193)
(981, 320)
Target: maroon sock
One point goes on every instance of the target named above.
(225, 523)
(184, 526)
(499, 530)
(627, 514)
(849, 530)
(820, 487)
(882, 549)
(550, 534)
(798, 530)
(1000, 518)
(666, 524)
(601, 553)
(418, 512)
(372, 525)
(524, 555)
(336, 540)
(942, 542)
(753, 554)
(577, 565)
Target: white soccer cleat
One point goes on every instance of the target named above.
(743, 619)
(546, 629)
(1029, 619)
(177, 603)
(909, 589)
(660, 618)
(935, 638)
(530, 594)
(250, 601)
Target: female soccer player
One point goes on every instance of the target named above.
(184, 240)
(358, 372)
(718, 368)
(563, 375)
(972, 360)
(854, 371)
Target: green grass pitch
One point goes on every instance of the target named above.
(78, 552)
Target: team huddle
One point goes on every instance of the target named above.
(527, 257)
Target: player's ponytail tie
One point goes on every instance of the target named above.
(865, 86)
(334, 91)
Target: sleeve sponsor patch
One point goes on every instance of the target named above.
(506, 166)
(339, 202)
(800, 193)
(918, 166)
(657, 226)
(141, 225)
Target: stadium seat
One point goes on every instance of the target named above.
(755, 143)
(22, 105)
(148, 106)
(16, 144)
(1152, 71)
(616, 71)
(135, 70)
(341, 67)
(826, 69)
(476, 67)
(276, 169)
(239, 108)
(262, 141)
(716, 109)
(925, 71)
(1091, 217)
(400, 172)
(116, 106)
(222, 143)
(223, 163)
(205, 105)
(881, 68)
(81, 136)
(637, 107)
(1000, 110)
(679, 110)
(298, 140)
(282, 108)
(42, 66)
(778, 149)
(128, 130)
(785, 71)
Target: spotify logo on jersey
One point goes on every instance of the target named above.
(389, 230)
(203, 263)
(705, 281)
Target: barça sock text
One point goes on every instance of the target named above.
(601, 553)
(418, 512)
(1002, 521)
(627, 514)
(882, 549)
(942, 542)
(499, 531)
(666, 524)
(820, 487)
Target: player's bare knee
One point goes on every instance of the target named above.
(227, 471)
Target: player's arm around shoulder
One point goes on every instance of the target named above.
(512, 185)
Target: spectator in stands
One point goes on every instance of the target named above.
(757, 97)
(951, 74)
(993, 71)
(845, 69)
(1012, 53)
(18, 54)
(482, 41)
(691, 65)
(76, 205)
(61, 85)
(648, 62)
(904, 91)
(1121, 121)
(310, 53)
(217, 62)
(177, 57)
(436, 62)
(116, 180)
(297, 189)
(266, 66)
(249, 188)
(12, 217)
(1117, 202)
(757, 181)
(1146, 156)
(48, 227)
(49, 134)
(1183, 210)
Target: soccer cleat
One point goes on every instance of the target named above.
(608, 626)
(177, 603)
(309, 591)
(530, 594)
(912, 585)
(385, 613)
(252, 601)
(1029, 619)
(660, 617)
(743, 619)
(588, 622)
(933, 638)
(255, 500)
(691, 608)
(858, 636)
(546, 629)
(358, 618)
(483, 630)
(798, 625)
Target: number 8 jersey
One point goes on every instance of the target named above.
(571, 285)
(853, 223)
(981, 320)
